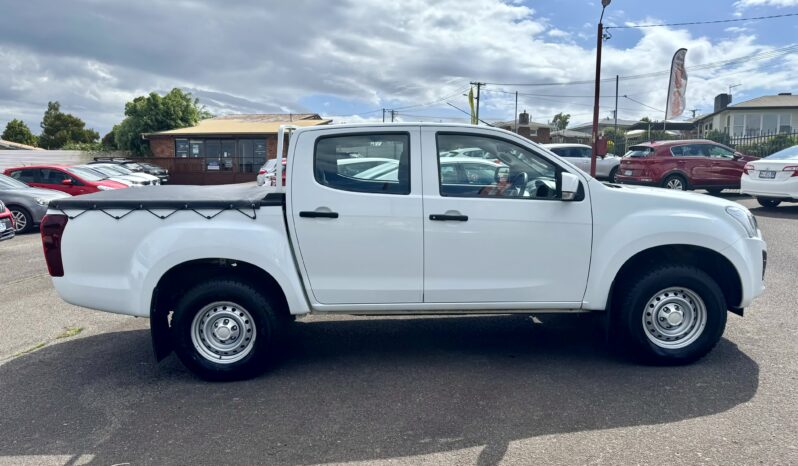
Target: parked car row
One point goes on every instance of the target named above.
(26, 191)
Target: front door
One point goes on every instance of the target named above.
(508, 240)
(726, 170)
(359, 233)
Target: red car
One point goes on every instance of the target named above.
(7, 229)
(71, 180)
(686, 164)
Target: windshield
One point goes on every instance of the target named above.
(104, 170)
(134, 166)
(87, 173)
(639, 151)
(10, 183)
(117, 169)
(790, 153)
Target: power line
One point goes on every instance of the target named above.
(641, 103)
(691, 23)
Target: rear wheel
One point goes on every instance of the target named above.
(23, 222)
(226, 330)
(675, 182)
(768, 202)
(613, 172)
(670, 315)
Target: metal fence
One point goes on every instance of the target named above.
(760, 145)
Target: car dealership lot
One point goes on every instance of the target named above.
(457, 390)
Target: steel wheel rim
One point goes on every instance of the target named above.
(675, 183)
(20, 220)
(223, 332)
(674, 317)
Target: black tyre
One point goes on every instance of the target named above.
(671, 315)
(677, 182)
(714, 191)
(768, 203)
(613, 172)
(22, 219)
(226, 330)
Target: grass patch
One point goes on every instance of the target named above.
(31, 349)
(69, 332)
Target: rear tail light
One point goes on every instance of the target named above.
(791, 168)
(52, 229)
(748, 167)
(261, 172)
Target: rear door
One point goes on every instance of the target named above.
(359, 236)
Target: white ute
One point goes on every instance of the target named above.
(221, 271)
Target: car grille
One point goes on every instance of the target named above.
(8, 231)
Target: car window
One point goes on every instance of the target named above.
(330, 150)
(509, 171)
(51, 176)
(29, 175)
(10, 183)
(639, 151)
(89, 175)
(719, 151)
(790, 153)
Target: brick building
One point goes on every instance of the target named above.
(224, 149)
(538, 132)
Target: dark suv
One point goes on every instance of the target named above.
(146, 167)
(685, 164)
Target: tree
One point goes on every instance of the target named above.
(147, 114)
(18, 131)
(60, 129)
(109, 140)
(560, 120)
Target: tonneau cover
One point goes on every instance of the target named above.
(175, 197)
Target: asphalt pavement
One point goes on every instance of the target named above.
(82, 387)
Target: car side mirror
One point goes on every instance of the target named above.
(66, 182)
(569, 186)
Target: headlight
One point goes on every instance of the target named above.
(745, 218)
(41, 202)
(104, 188)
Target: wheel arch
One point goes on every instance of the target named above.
(715, 264)
(676, 172)
(181, 277)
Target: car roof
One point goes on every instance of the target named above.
(24, 167)
(561, 145)
(675, 142)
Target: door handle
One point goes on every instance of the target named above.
(447, 217)
(316, 214)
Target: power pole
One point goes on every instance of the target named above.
(516, 112)
(693, 110)
(615, 113)
(393, 112)
(479, 85)
(383, 115)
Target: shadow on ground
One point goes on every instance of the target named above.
(785, 210)
(354, 390)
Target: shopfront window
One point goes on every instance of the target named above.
(224, 155)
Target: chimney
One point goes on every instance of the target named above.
(722, 101)
(523, 118)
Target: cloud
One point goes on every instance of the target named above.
(776, 3)
(94, 55)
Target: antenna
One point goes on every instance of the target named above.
(732, 86)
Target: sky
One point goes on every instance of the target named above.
(349, 59)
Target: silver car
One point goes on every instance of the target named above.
(27, 205)
(580, 154)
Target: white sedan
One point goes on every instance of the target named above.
(774, 179)
(580, 154)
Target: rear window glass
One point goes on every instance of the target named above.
(639, 151)
(790, 153)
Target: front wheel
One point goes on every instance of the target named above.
(671, 315)
(23, 222)
(225, 330)
(768, 203)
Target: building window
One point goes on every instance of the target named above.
(785, 123)
(753, 124)
(739, 125)
(770, 123)
(224, 155)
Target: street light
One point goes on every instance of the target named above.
(604, 4)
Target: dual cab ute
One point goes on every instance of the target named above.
(221, 271)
